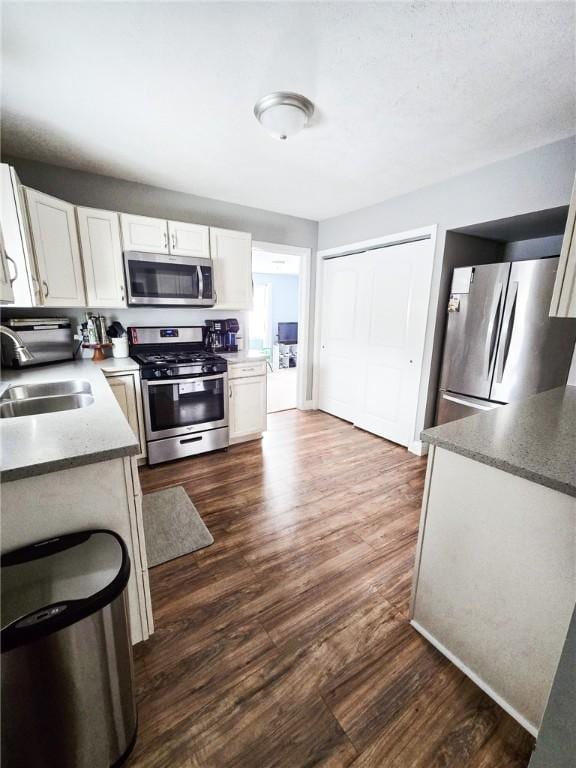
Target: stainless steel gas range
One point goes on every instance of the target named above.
(184, 391)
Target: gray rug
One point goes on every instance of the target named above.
(172, 525)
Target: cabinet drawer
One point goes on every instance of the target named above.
(239, 370)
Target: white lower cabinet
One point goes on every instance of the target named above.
(102, 495)
(247, 403)
(57, 251)
(126, 389)
(102, 257)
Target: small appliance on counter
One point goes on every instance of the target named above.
(222, 335)
(48, 339)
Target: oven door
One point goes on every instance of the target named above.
(157, 278)
(175, 407)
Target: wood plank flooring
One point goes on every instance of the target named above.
(286, 643)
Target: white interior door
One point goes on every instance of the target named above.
(395, 291)
(339, 336)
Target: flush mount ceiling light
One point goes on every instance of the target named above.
(283, 114)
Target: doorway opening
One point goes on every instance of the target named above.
(278, 323)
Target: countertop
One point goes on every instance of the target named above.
(49, 442)
(247, 356)
(534, 438)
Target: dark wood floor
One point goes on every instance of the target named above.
(286, 643)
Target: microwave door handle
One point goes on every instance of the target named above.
(507, 332)
(200, 282)
(492, 334)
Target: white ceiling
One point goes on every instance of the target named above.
(275, 263)
(407, 93)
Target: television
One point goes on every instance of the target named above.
(288, 333)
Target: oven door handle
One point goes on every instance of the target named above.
(176, 380)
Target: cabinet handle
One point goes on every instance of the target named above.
(165, 240)
(173, 241)
(12, 279)
(230, 389)
(46, 291)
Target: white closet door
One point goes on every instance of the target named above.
(395, 291)
(339, 337)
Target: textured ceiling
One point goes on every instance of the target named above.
(407, 94)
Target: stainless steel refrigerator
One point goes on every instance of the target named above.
(500, 344)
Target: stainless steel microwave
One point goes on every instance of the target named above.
(164, 280)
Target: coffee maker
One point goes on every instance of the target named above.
(222, 335)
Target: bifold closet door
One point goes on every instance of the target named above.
(339, 336)
(374, 313)
(393, 310)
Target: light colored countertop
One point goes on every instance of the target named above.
(118, 365)
(534, 438)
(247, 356)
(49, 442)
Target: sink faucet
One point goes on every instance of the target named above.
(21, 352)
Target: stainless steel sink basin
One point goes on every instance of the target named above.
(32, 406)
(47, 389)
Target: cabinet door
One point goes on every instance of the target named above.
(102, 257)
(564, 296)
(126, 390)
(189, 239)
(6, 292)
(21, 265)
(55, 241)
(247, 406)
(142, 233)
(232, 255)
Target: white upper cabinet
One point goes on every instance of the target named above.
(55, 241)
(143, 233)
(232, 255)
(6, 292)
(564, 296)
(189, 239)
(17, 241)
(102, 257)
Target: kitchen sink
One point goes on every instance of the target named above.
(47, 389)
(48, 397)
(9, 409)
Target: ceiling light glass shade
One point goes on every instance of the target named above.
(284, 114)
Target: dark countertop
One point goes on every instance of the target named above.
(534, 438)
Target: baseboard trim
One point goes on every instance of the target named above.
(307, 405)
(532, 730)
(418, 448)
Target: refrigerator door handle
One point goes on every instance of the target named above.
(492, 334)
(507, 331)
(471, 403)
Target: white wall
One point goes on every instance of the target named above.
(533, 181)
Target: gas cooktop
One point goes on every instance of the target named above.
(169, 357)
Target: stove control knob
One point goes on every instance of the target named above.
(157, 374)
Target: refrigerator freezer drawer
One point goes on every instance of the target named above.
(451, 406)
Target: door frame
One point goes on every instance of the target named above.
(304, 294)
(408, 236)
